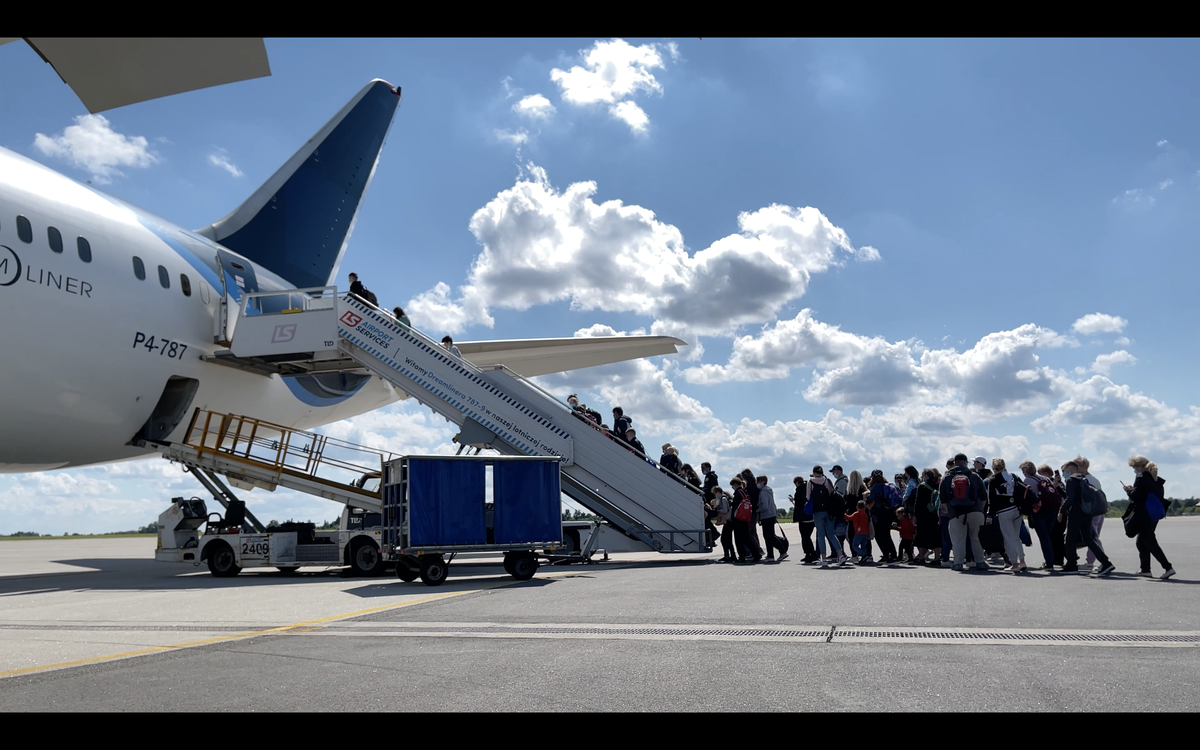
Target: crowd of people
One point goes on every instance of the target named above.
(969, 517)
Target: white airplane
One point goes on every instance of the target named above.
(107, 310)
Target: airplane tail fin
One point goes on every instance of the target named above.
(298, 223)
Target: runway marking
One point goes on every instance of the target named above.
(306, 624)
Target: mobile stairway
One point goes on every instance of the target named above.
(316, 330)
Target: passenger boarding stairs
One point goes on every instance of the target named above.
(311, 331)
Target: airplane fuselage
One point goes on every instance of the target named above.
(91, 331)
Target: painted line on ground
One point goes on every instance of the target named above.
(265, 631)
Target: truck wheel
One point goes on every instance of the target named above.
(524, 566)
(508, 561)
(407, 569)
(364, 558)
(222, 563)
(433, 570)
(571, 544)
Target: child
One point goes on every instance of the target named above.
(908, 530)
(862, 533)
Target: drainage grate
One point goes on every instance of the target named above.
(985, 635)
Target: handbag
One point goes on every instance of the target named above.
(1154, 508)
(808, 509)
(1134, 521)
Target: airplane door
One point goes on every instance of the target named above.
(237, 275)
(238, 279)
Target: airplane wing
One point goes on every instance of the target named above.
(532, 357)
(110, 73)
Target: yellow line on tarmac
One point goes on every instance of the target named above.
(250, 634)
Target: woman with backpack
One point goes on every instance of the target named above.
(723, 504)
(1003, 511)
(820, 490)
(742, 513)
(1145, 484)
(926, 507)
(1043, 511)
(882, 517)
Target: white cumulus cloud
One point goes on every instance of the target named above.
(220, 158)
(535, 106)
(1166, 184)
(1094, 323)
(631, 114)
(92, 145)
(542, 245)
(612, 72)
(1105, 362)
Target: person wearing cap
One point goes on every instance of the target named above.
(964, 525)
(979, 465)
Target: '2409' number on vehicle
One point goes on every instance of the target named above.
(254, 549)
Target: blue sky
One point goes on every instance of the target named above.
(882, 251)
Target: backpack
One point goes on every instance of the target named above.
(819, 496)
(1048, 496)
(1092, 502)
(893, 497)
(961, 497)
(934, 500)
(745, 511)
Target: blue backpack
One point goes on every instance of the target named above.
(893, 497)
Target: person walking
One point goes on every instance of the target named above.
(804, 520)
(766, 516)
(819, 492)
(1079, 523)
(1146, 483)
(962, 490)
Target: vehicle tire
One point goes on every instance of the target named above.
(433, 570)
(364, 558)
(571, 545)
(407, 569)
(524, 566)
(508, 561)
(222, 563)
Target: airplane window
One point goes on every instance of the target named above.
(139, 268)
(85, 250)
(24, 230)
(203, 292)
(185, 284)
(164, 278)
(55, 239)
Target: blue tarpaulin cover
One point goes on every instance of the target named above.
(527, 503)
(446, 502)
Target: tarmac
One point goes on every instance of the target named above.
(97, 625)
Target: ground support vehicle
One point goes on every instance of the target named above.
(436, 507)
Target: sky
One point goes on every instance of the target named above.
(880, 252)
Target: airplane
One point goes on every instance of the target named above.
(107, 73)
(107, 309)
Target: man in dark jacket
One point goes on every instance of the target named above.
(965, 519)
(1079, 524)
(631, 438)
(710, 481)
(621, 423)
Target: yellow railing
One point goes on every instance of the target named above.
(284, 450)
